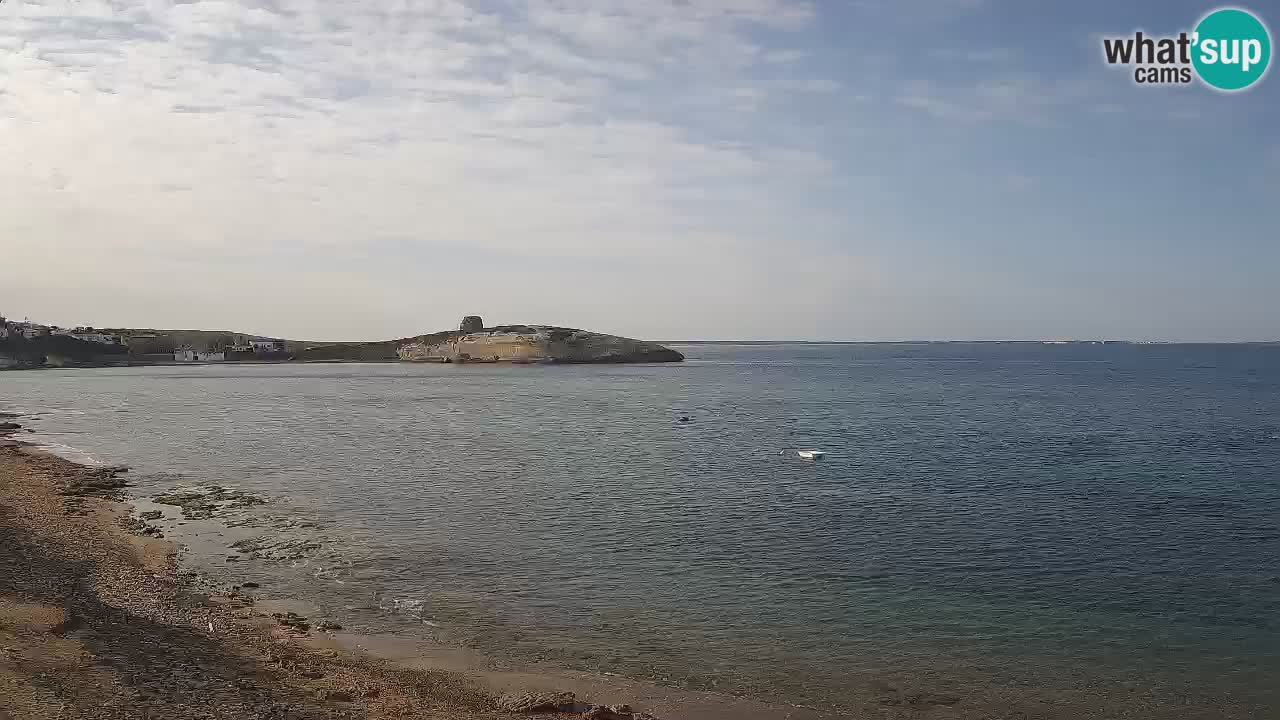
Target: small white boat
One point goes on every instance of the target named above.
(811, 454)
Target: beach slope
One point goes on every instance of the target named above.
(96, 622)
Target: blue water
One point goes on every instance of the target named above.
(1092, 530)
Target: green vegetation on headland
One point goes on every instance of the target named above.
(27, 345)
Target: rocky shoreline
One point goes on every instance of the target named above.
(98, 621)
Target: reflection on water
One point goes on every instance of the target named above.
(1072, 520)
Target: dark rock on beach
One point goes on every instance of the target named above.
(276, 548)
(615, 712)
(538, 702)
(207, 501)
(293, 622)
(102, 482)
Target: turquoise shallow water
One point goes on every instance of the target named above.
(1091, 528)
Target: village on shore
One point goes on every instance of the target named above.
(106, 345)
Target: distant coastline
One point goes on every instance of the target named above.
(27, 345)
(30, 345)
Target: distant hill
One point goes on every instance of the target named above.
(198, 339)
(58, 351)
(472, 342)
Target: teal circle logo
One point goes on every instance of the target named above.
(1232, 49)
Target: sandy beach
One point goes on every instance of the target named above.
(98, 620)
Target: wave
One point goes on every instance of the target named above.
(67, 452)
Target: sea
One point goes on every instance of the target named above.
(1015, 530)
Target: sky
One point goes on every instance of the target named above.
(663, 169)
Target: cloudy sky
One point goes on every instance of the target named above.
(668, 169)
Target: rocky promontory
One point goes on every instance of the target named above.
(472, 343)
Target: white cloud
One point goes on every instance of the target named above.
(912, 12)
(680, 168)
(153, 143)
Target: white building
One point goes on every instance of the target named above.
(184, 355)
(267, 345)
(211, 356)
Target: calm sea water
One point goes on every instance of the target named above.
(1030, 526)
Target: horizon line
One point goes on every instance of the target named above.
(771, 341)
